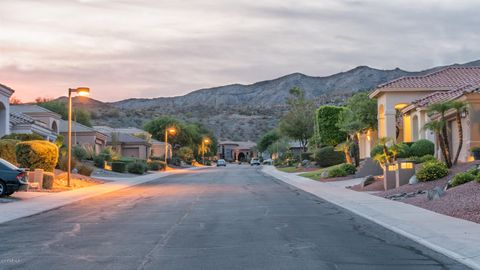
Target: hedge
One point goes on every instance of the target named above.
(337, 172)
(37, 155)
(349, 168)
(7, 150)
(118, 166)
(156, 165)
(327, 156)
(404, 151)
(137, 168)
(422, 147)
(327, 118)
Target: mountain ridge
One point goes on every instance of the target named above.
(245, 111)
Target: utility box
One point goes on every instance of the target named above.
(389, 176)
(405, 170)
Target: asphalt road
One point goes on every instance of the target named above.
(225, 218)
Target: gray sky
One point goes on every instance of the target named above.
(152, 48)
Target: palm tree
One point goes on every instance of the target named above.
(441, 108)
(345, 148)
(384, 143)
(459, 107)
(437, 127)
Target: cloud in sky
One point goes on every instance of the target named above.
(151, 48)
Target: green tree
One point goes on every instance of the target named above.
(268, 139)
(298, 122)
(359, 115)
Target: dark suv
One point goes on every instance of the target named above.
(12, 178)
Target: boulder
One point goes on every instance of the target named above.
(367, 180)
(413, 180)
(435, 193)
(324, 174)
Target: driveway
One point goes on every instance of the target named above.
(219, 218)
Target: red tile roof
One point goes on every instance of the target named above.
(450, 78)
(440, 96)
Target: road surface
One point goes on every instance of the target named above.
(219, 218)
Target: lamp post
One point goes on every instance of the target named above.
(204, 142)
(172, 131)
(81, 91)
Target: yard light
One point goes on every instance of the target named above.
(172, 131)
(81, 91)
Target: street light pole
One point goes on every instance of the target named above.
(166, 145)
(81, 91)
(204, 141)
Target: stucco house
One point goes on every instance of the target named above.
(402, 107)
(33, 119)
(83, 135)
(5, 94)
(156, 148)
(129, 146)
(236, 151)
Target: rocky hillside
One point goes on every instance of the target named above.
(244, 112)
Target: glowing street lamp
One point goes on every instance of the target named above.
(172, 131)
(80, 91)
(204, 142)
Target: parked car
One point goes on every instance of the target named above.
(12, 178)
(254, 161)
(268, 162)
(221, 162)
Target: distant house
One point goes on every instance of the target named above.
(5, 94)
(236, 150)
(156, 148)
(129, 146)
(83, 135)
(33, 119)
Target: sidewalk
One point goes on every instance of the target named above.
(453, 237)
(26, 204)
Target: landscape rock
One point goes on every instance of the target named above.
(413, 180)
(435, 193)
(367, 181)
(324, 174)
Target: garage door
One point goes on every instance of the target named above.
(131, 152)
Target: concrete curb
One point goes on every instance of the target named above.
(453, 237)
(33, 206)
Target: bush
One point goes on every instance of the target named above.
(118, 166)
(306, 156)
(423, 159)
(79, 153)
(186, 154)
(432, 170)
(23, 137)
(462, 178)
(328, 131)
(327, 156)
(109, 154)
(37, 155)
(85, 169)
(48, 179)
(337, 172)
(7, 150)
(349, 168)
(99, 161)
(422, 147)
(137, 168)
(377, 149)
(404, 151)
(156, 165)
(63, 163)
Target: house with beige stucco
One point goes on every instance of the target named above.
(5, 94)
(402, 108)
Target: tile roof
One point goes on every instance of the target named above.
(20, 119)
(127, 138)
(76, 127)
(28, 108)
(440, 96)
(449, 78)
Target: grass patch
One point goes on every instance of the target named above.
(288, 169)
(315, 175)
